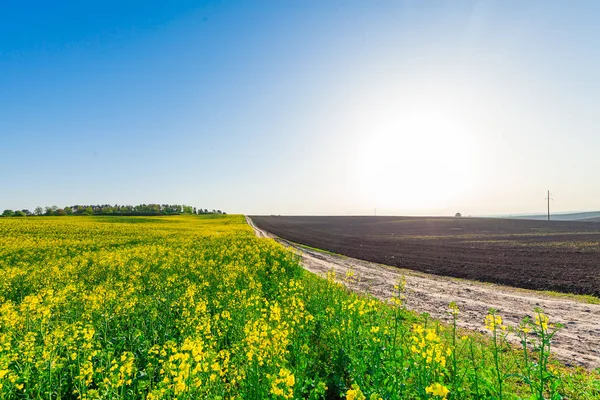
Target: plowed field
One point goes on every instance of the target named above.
(541, 255)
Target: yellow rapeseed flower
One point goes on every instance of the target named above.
(437, 389)
(354, 393)
(493, 322)
(541, 320)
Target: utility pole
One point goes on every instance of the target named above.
(549, 198)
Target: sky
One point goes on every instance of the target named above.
(302, 107)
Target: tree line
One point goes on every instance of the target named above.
(107, 209)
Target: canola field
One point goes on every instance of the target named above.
(196, 307)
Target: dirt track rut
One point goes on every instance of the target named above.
(578, 343)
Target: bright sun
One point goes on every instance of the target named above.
(424, 161)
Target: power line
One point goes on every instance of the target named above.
(549, 198)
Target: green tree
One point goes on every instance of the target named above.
(38, 210)
(8, 213)
(107, 210)
(51, 210)
(19, 214)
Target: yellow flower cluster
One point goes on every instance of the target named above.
(354, 393)
(494, 322)
(541, 320)
(437, 389)
(453, 309)
(427, 346)
(282, 385)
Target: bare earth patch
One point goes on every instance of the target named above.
(578, 343)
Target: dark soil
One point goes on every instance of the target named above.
(541, 255)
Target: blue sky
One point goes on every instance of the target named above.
(301, 107)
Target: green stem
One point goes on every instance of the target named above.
(472, 351)
(497, 362)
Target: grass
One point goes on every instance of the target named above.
(196, 307)
(581, 298)
(316, 249)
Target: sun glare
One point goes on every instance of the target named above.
(423, 161)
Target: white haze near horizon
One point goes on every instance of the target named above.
(481, 118)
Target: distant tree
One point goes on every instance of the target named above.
(8, 213)
(19, 214)
(26, 212)
(458, 215)
(106, 209)
(51, 210)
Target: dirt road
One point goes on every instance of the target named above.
(578, 343)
